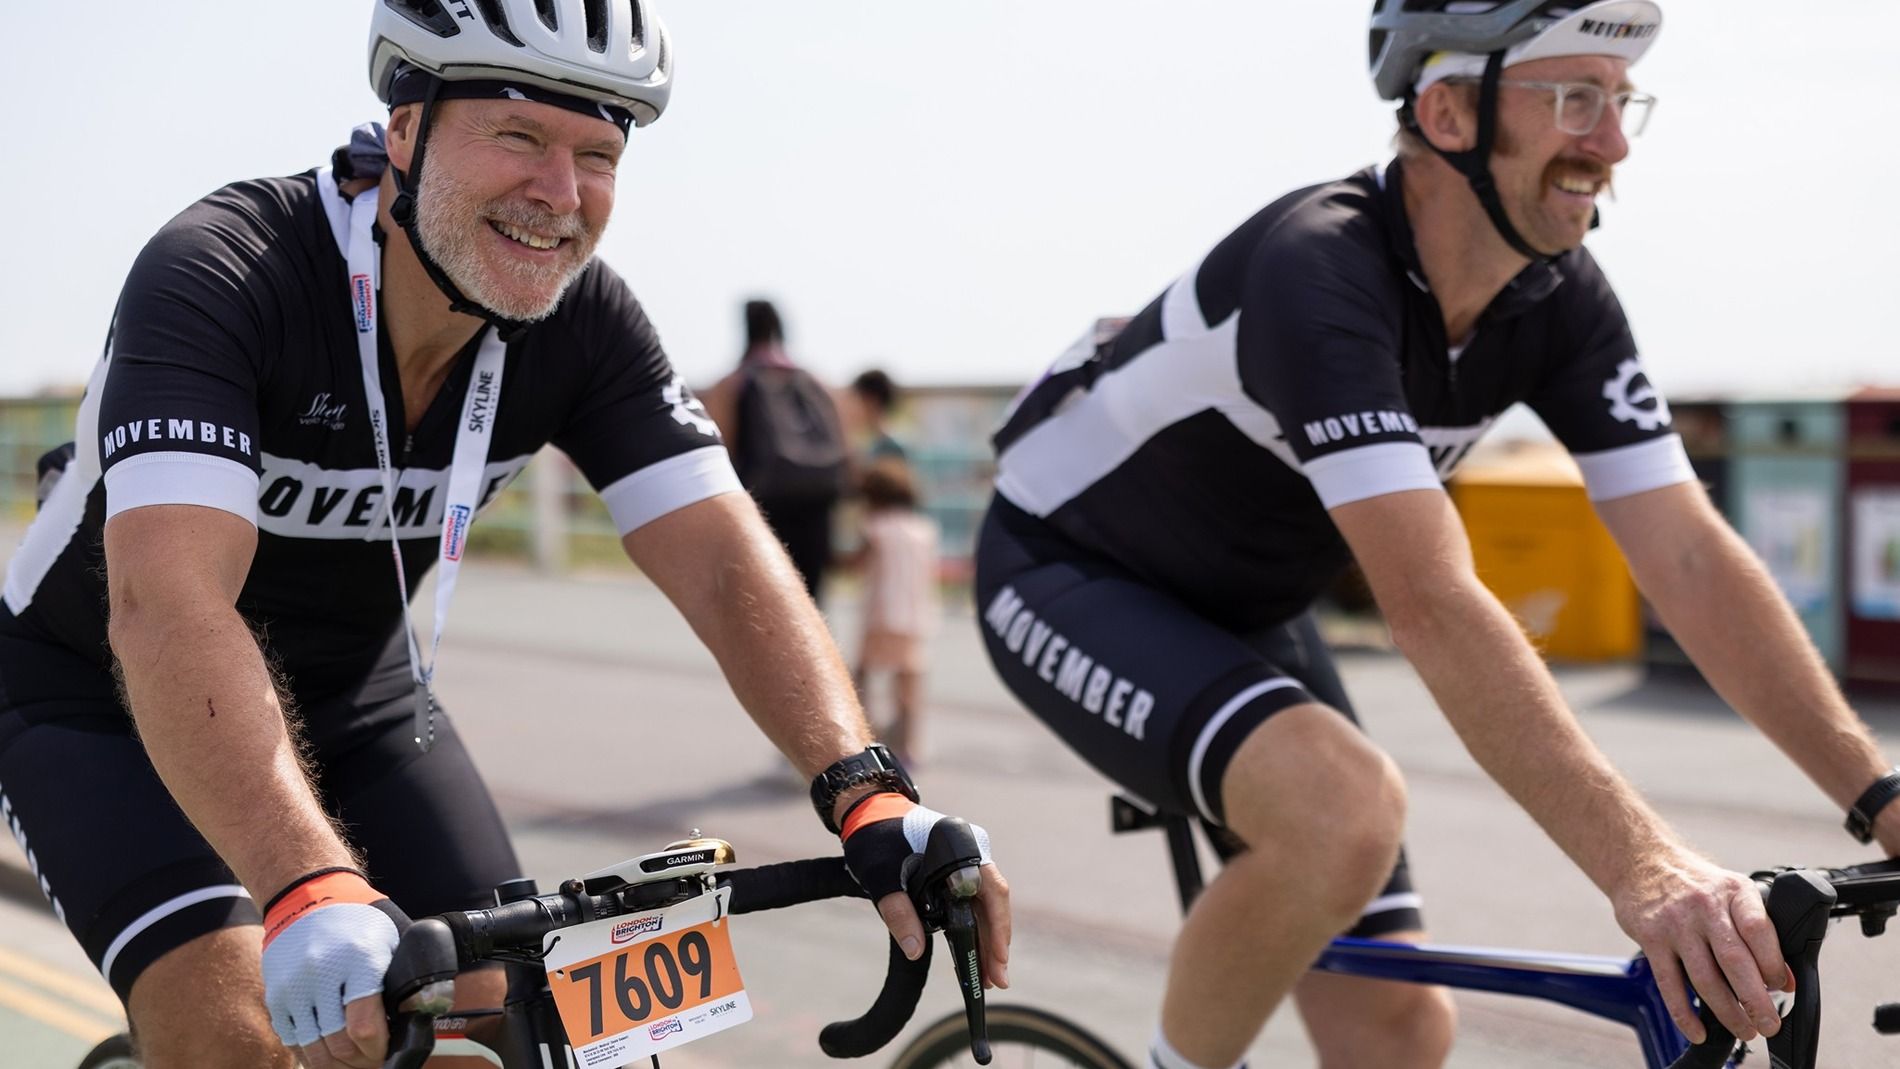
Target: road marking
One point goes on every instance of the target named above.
(92, 994)
(80, 1026)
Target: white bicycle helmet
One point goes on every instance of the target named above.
(612, 52)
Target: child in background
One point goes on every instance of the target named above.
(899, 562)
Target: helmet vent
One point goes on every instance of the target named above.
(596, 11)
(427, 14)
(497, 22)
(545, 9)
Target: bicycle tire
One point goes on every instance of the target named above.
(946, 1042)
(113, 1052)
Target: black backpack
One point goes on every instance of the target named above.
(791, 442)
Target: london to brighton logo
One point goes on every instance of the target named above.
(626, 931)
(361, 294)
(455, 532)
(662, 1029)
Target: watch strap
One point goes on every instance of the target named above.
(1860, 818)
(875, 765)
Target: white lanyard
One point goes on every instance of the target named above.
(466, 469)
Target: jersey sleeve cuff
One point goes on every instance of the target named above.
(182, 479)
(1634, 469)
(1371, 471)
(640, 498)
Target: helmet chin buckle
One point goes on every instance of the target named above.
(1475, 163)
(402, 210)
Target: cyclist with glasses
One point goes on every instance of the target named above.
(1174, 492)
(218, 734)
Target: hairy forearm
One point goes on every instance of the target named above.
(209, 717)
(783, 666)
(719, 563)
(1724, 609)
(1507, 710)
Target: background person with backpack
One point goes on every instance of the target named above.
(787, 443)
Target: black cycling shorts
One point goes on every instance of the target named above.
(1154, 695)
(132, 879)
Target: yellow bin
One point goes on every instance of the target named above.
(1541, 549)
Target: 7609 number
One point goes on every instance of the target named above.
(663, 982)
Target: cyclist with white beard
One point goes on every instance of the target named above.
(218, 733)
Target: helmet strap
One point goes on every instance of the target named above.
(1475, 163)
(404, 211)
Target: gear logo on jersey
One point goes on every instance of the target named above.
(687, 411)
(363, 296)
(455, 532)
(1633, 400)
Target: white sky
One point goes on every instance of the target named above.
(956, 191)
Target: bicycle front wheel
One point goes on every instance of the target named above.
(115, 1052)
(1020, 1038)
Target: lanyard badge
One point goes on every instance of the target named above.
(466, 469)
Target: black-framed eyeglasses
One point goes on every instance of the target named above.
(1578, 106)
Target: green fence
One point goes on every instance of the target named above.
(29, 426)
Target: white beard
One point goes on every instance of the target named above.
(449, 222)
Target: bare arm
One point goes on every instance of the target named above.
(1492, 685)
(1723, 607)
(720, 564)
(206, 708)
(1689, 916)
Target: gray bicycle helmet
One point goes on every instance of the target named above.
(612, 52)
(1407, 33)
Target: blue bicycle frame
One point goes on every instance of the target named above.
(1618, 989)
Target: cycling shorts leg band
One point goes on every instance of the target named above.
(193, 898)
(1217, 723)
(1162, 1055)
(1396, 908)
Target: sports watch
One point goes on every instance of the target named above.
(874, 765)
(1860, 819)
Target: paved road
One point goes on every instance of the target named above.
(604, 730)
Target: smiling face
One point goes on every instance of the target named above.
(513, 199)
(1548, 179)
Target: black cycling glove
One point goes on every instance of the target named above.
(881, 830)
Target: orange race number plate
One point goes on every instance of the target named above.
(628, 987)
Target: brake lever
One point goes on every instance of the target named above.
(944, 882)
(411, 1040)
(417, 987)
(1799, 902)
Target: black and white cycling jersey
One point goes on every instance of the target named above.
(1302, 365)
(233, 380)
